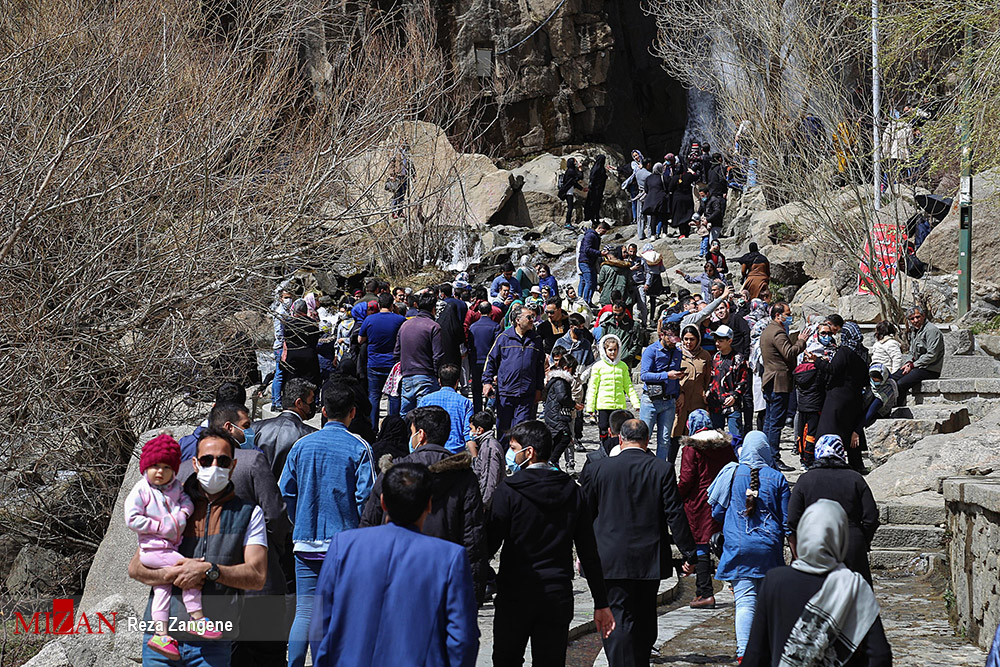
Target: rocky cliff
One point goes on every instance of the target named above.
(567, 71)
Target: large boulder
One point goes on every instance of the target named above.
(37, 572)
(937, 456)
(787, 265)
(863, 308)
(940, 248)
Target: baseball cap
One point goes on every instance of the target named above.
(723, 332)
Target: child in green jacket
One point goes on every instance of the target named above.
(610, 384)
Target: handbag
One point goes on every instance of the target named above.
(655, 390)
(716, 543)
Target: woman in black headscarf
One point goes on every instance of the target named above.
(682, 201)
(595, 190)
(843, 408)
(655, 204)
(393, 439)
(302, 334)
(452, 335)
(570, 188)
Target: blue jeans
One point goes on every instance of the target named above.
(512, 410)
(774, 418)
(415, 386)
(395, 403)
(588, 282)
(704, 246)
(215, 653)
(306, 576)
(659, 413)
(276, 382)
(745, 592)
(376, 382)
(635, 208)
(642, 225)
(733, 421)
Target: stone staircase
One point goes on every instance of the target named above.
(911, 535)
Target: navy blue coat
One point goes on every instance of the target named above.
(517, 363)
(590, 248)
(482, 334)
(388, 595)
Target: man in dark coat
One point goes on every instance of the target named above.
(538, 515)
(457, 506)
(633, 498)
(482, 334)
(515, 366)
(618, 417)
(275, 436)
(589, 258)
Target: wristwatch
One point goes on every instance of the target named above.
(212, 574)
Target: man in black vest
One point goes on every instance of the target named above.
(225, 549)
(633, 496)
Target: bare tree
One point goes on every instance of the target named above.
(161, 168)
(789, 79)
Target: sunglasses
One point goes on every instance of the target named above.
(208, 459)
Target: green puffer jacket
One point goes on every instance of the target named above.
(614, 276)
(610, 383)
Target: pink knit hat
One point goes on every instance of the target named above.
(161, 449)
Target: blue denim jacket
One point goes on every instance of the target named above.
(754, 544)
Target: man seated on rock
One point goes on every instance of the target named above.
(225, 550)
(926, 356)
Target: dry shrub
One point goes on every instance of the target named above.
(162, 168)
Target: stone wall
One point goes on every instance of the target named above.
(974, 552)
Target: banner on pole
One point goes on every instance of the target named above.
(883, 259)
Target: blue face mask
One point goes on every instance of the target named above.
(510, 458)
(788, 321)
(412, 446)
(826, 340)
(248, 437)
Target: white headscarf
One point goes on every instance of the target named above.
(836, 619)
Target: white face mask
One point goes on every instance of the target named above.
(213, 478)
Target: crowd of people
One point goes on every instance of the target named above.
(486, 390)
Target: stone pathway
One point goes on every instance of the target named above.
(913, 611)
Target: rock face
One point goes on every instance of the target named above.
(935, 457)
(940, 249)
(570, 71)
(36, 572)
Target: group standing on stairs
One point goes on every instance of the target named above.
(460, 466)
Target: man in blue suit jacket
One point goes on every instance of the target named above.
(388, 595)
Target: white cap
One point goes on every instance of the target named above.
(723, 332)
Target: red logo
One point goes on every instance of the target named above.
(62, 621)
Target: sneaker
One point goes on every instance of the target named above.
(571, 465)
(578, 446)
(165, 645)
(205, 629)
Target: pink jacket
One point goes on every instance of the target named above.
(158, 514)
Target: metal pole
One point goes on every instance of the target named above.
(876, 103)
(965, 193)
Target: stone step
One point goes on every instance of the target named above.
(977, 394)
(903, 536)
(920, 509)
(970, 366)
(916, 561)
(951, 416)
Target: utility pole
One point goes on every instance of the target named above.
(876, 103)
(965, 192)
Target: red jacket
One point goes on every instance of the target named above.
(704, 455)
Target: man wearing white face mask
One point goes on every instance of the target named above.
(225, 550)
(326, 481)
